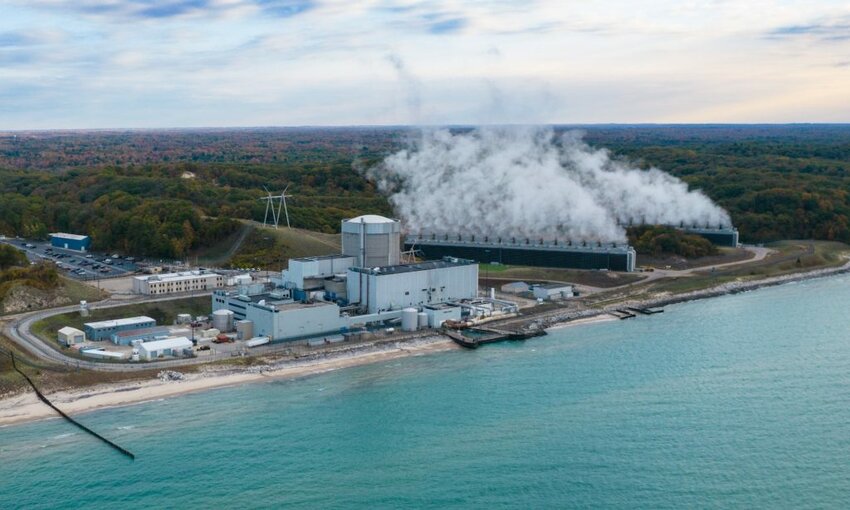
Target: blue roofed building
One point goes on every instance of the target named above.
(70, 241)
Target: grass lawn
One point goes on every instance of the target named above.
(500, 273)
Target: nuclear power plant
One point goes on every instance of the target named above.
(364, 286)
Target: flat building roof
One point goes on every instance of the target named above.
(74, 237)
(129, 321)
(417, 266)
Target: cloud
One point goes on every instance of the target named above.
(159, 9)
(834, 30)
(448, 26)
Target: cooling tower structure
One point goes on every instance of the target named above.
(524, 251)
(373, 240)
(721, 236)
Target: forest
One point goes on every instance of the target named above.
(167, 192)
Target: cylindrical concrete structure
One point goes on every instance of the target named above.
(374, 240)
(423, 320)
(244, 330)
(409, 319)
(223, 320)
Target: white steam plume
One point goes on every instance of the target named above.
(526, 182)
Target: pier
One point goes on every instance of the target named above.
(645, 311)
(490, 336)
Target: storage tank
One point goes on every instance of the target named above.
(244, 329)
(409, 319)
(223, 320)
(422, 320)
(375, 241)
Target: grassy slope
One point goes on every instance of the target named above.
(68, 292)
(222, 251)
(269, 248)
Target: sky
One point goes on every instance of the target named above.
(79, 64)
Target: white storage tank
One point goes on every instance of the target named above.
(244, 329)
(423, 319)
(374, 240)
(223, 320)
(409, 319)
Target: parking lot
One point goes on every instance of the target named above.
(79, 265)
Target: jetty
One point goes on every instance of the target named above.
(490, 336)
(68, 418)
(645, 311)
(622, 314)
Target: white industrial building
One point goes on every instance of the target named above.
(400, 286)
(166, 347)
(553, 291)
(69, 336)
(169, 283)
(309, 272)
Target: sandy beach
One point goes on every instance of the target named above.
(26, 407)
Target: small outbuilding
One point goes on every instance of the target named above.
(515, 287)
(553, 291)
(69, 336)
(440, 313)
(167, 347)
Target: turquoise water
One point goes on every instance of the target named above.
(739, 401)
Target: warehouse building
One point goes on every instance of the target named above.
(393, 287)
(145, 334)
(178, 346)
(70, 241)
(553, 291)
(69, 336)
(103, 330)
(170, 283)
(525, 252)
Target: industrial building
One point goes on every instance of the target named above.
(169, 283)
(178, 346)
(69, 336)
(515, 287)
(103, 330)
(131, 336)
(70, 241)
(525, 252)
(392, 287)
(553, 291)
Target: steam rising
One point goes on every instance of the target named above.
(526, 182)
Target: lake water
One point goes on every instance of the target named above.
(739, 401)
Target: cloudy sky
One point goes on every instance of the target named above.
(182, 63)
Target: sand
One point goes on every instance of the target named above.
(26, 407)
